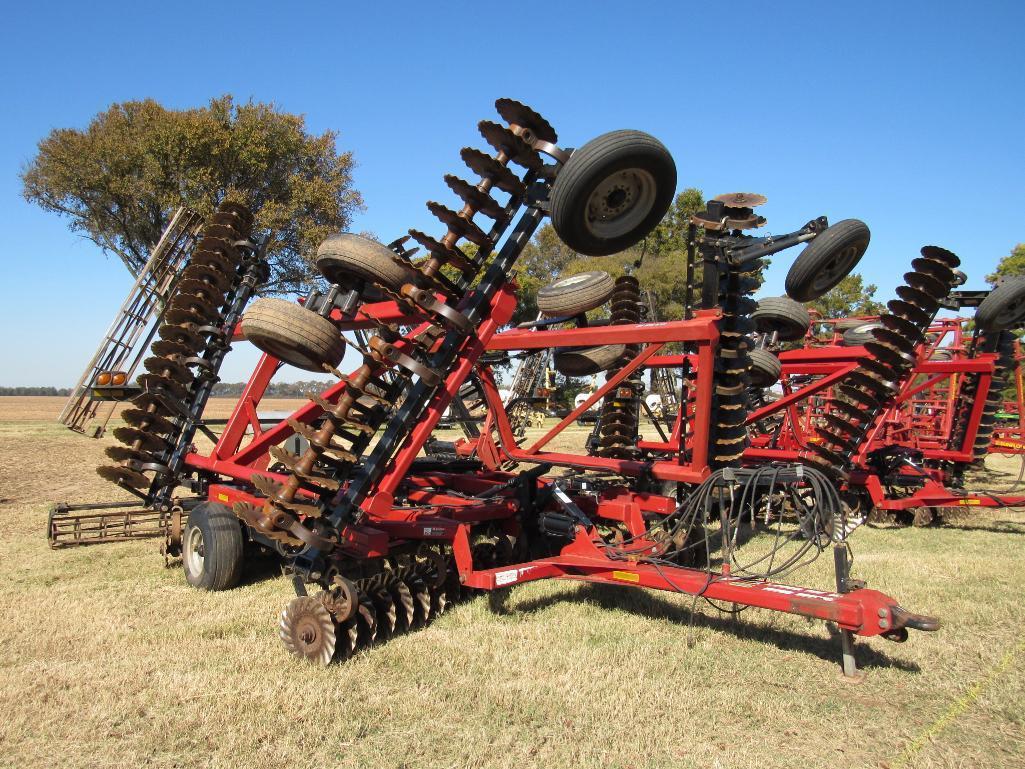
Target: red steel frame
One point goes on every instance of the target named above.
(437, 510)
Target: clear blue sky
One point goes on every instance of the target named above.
(910, 116)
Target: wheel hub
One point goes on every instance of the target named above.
(620, 202)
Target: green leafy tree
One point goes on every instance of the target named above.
(849, 297)
(1012, 264)
(120, 180)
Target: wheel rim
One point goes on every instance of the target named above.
(620, 203)
(194, 552)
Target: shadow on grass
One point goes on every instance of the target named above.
(259, 567)
(650, 605)
(993, 527)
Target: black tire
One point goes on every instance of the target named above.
(575, 294)
(212, 547)
(765, 370)
(1004, 307)
(846, 324)
(293, 334)
(349, 260)
(585, 361)
(859, 335)
(612, 192)
(784, 315)
(827, 260)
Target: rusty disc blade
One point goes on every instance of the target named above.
(170, 347)
(200, 290)
(171, 368)
(147, 420)
(936, 269)
(158, 382)
(222, 232)
(487, 167)
(474, 198)
(185, 335)
(837, 441)
(505, 141)
(123, 476)
(519, 114)
(949, 258)
(880, 370)
(459, 225)
(742, 199)
(851, 411)
(838, 424)
(893, 339)
(835, 458)
(920, 299)
(901, 326)
(222, 246)
(871, 383)
(215, 260)
(890, 355)
(243, 213)
(307, 629)
(850, 392)
(926, 284)
(203, 274)
(909, 312)
(226, 219)
(126, 454)
(146, 440)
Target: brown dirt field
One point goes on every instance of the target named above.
(29, 408)
(110, 659)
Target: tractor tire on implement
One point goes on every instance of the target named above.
(612, 192)
(585, 361)
(783, 315)
(293, 334)
(766, 368)
(349, 260)
(575, 294)
(212, 547)
(1004, 308)
(827, 260)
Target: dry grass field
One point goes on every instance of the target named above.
(109, 659)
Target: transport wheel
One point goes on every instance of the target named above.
(859, 335)
(784, 315)
(293, 334)
(846, 324)
(349, 260)
(827, 260)
(612, 192)
(584, 361)
(212, 547)
(575, 294)
(765, 368)
(1004, 308)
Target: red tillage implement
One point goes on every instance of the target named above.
(380, 539)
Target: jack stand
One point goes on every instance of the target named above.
(841, 566)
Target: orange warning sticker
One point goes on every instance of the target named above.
(626, 576)
(223, 497)
(970, 501)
